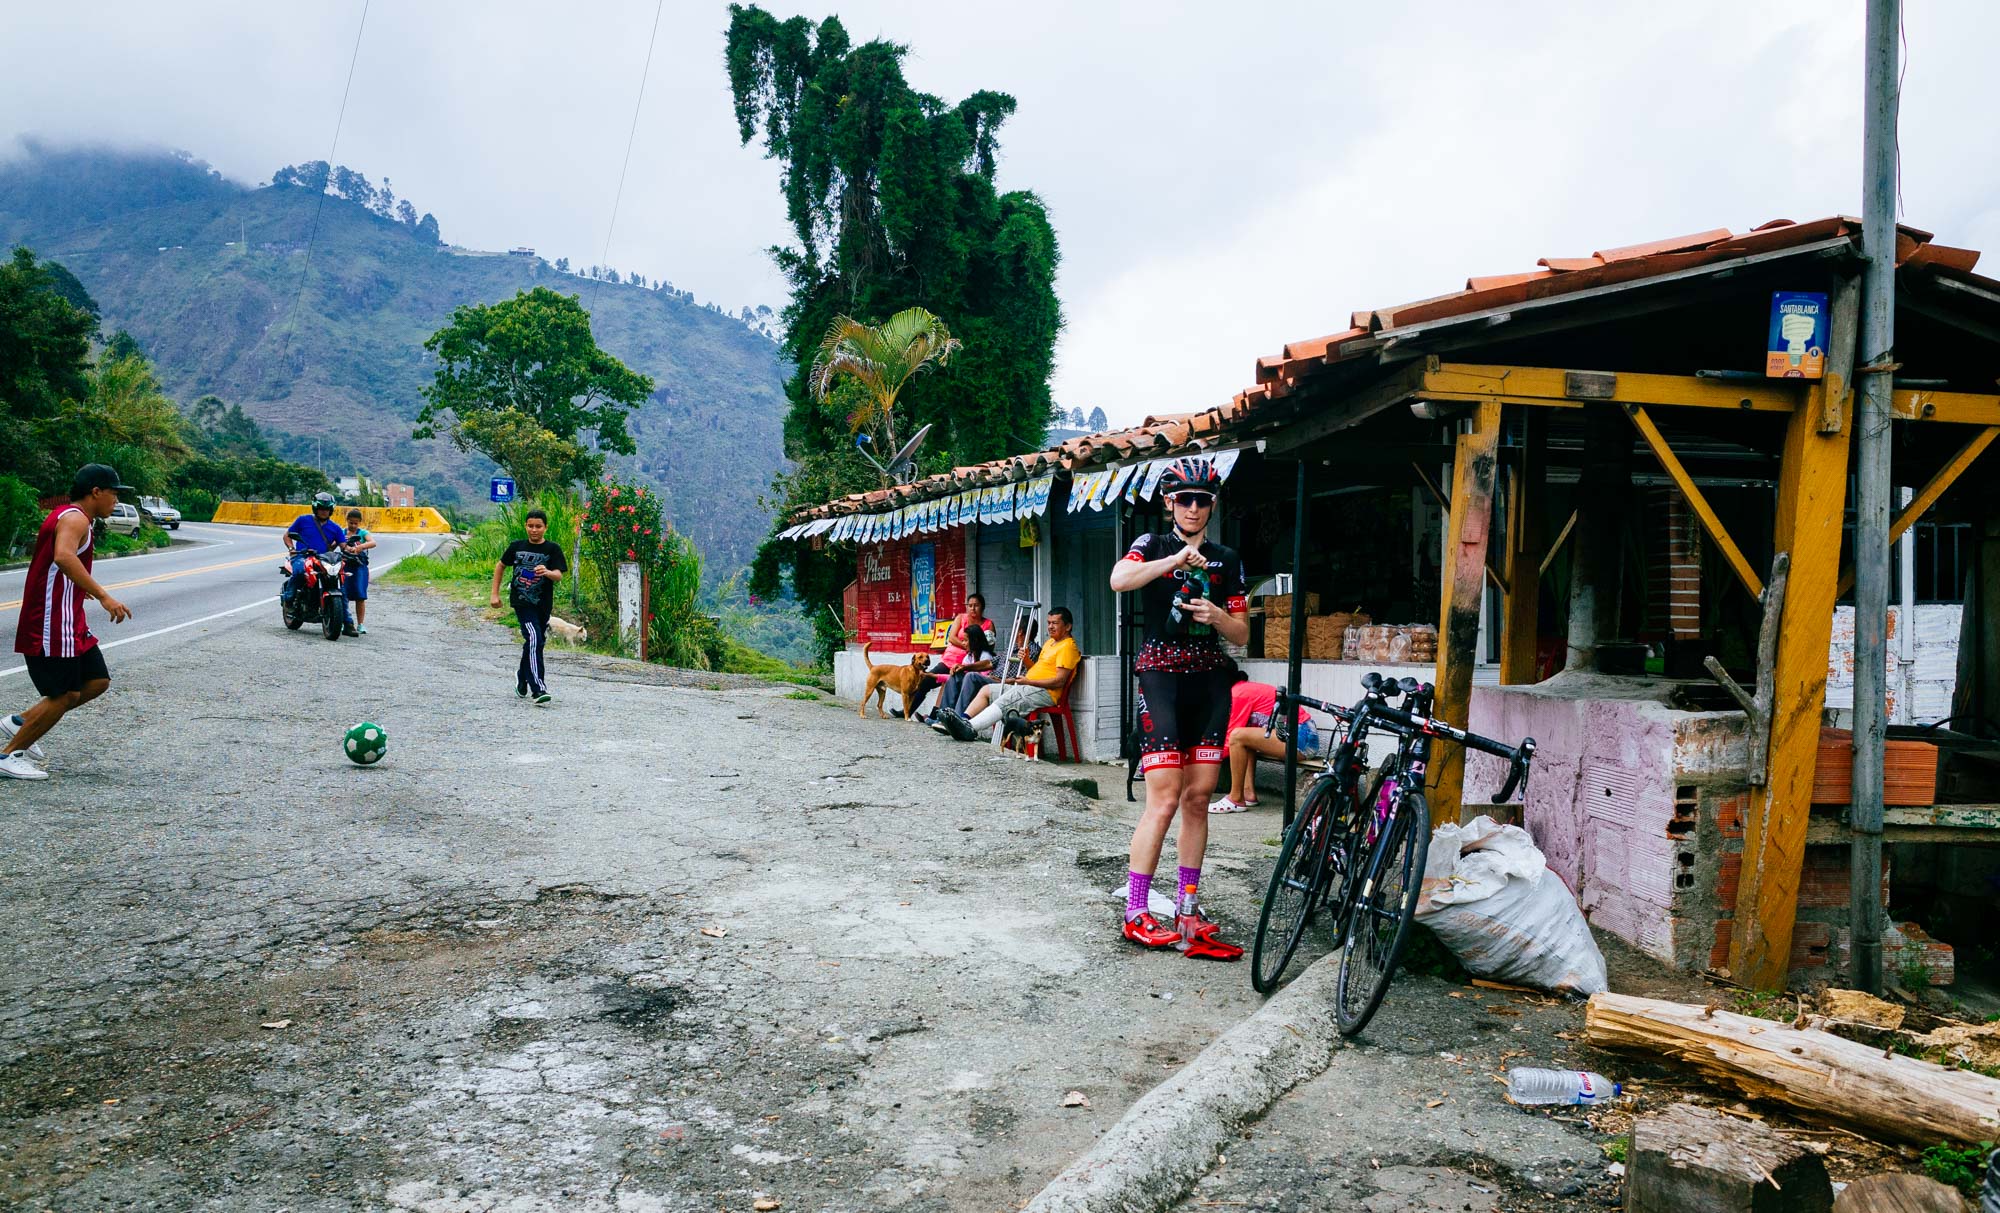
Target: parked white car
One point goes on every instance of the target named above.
(124, 519)
(156, 511)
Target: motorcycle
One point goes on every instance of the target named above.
(322, 593)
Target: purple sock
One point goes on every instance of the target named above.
(1190, 879)
(1139, 885)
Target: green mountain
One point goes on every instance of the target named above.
(212, 278)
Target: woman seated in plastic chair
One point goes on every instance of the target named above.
(1250, 707)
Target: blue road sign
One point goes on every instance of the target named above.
(503, 489)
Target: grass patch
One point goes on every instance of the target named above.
(1614, 1150)
(1764, 1004)
(1269, 842)
(807, 696)
(145, 539)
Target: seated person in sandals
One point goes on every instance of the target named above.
(971, 619)
(1250, 708)
(1043, 686)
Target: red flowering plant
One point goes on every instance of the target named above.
(624, 522)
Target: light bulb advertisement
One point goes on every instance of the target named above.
(1796, 348)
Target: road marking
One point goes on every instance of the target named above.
(112, 644)
(206, 568)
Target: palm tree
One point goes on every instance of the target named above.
(881, 358)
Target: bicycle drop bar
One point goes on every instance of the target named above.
(1395, 720)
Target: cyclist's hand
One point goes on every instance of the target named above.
(1192, 558)
(1203, 610)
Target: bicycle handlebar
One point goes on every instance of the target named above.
(1405, 723)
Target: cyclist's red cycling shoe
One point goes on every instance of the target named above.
(1147, 932)
(1203, 940)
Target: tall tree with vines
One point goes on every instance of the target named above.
(891, 198)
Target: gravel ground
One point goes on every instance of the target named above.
(677, 942)
(655, 946)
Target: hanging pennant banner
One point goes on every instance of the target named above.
(1080, 489)
(1010, 502)
(1035, 496)
(1115, 487)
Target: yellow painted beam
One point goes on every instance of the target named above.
(1702, 510)
(1464, 574)
(1548, 386)
(1812, 488)
(1933, 489)
(1966, 408)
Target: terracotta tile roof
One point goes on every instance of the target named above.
(1277, 376)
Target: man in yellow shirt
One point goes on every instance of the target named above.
(1043, 686)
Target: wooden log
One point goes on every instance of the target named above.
(1898, 1192)
(1690, 1157)
(1819, 1074)
(1472, 477)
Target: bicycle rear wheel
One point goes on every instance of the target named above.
(1380, 914)
(1294, 889)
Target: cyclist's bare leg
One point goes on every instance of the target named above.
(1163, 800)
(1197, 785)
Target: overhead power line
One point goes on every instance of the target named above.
(313, 234)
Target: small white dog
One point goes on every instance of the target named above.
(572, 634)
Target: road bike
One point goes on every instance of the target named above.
(1359, 843)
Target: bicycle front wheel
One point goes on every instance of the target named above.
(1379, 916)
(1294, 889)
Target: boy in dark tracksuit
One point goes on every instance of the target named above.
(533, 566)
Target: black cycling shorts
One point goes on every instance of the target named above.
(58, 676)
(1183, 718)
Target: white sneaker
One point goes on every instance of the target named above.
(20, 766)
(11, 725)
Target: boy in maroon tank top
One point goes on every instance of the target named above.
(54, 638)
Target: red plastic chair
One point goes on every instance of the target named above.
(1068, 748)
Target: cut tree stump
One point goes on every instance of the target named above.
(1690, 1157)
(1899, 1192)
(1830, 1078)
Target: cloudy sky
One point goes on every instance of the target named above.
(1224, 178)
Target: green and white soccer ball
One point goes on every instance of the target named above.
(366, 743)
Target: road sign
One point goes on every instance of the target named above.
(503, 489)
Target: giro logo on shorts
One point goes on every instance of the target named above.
(1207, 755)
(1162, 760)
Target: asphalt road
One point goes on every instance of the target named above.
(214, 581)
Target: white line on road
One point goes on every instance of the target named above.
(112, 644)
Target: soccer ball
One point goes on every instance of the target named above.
(366, 743)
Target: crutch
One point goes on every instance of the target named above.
(1024, 617)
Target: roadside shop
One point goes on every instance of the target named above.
(1574, 486)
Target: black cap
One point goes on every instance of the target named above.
(96, 476)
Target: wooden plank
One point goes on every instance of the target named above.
(1339, 413)
(1965, 408)
(1812, 488)
(1702, 510)
(1562, 537)
(1526, 506)
(1933, 489)
(1822, 1076)
(1554, 386)
(1472, 477)
(1836, 389)
(1915, 823)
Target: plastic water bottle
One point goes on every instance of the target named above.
(1560, 1086)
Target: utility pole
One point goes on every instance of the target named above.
(1876, 375)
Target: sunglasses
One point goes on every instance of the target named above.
(1195, 500)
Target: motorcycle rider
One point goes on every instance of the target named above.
(315, 532)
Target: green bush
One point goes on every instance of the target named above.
(196, 505)
(1959, 1166)
(20, 516)
(145, 539)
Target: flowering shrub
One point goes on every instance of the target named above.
(623, 522)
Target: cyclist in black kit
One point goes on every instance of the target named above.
(1194, 598)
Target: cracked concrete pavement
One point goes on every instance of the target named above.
(677, 942)
(657, 946)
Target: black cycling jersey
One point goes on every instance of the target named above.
(1173, 640)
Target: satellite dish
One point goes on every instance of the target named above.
(898, 469)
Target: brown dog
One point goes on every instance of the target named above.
(885, 678)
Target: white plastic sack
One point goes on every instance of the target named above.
(1489, 895)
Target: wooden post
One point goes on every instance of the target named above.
(1472, 476)
(1527, 507)
(1812, 489)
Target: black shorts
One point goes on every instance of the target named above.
(1182, 718)
(58, 676)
